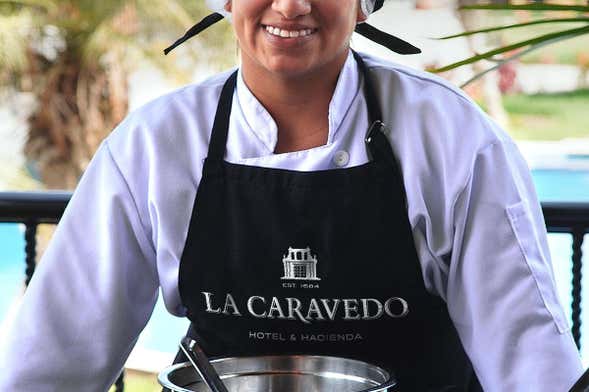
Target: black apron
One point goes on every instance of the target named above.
(286, 262)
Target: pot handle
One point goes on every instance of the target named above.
(201, 363)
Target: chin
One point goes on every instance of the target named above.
(291, 72)
(290, 67)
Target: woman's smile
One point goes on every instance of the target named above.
(289, 32)
(288, 37)
(293, 38)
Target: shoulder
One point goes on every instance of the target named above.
(438, 134)
(435, 126)
(411, 76)
(173, 125)
(163, 144)
(188, 103)
(431, 107)
(161, 147)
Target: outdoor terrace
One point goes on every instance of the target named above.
(34, 208)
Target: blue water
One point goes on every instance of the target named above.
(562, 185)
(164, 331)
(12, 265)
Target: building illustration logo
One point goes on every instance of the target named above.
(299, 264)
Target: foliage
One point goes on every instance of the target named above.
(515, 50)
(546, 116)
(75, 56)
(91, 29)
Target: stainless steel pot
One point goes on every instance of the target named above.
(283, 373)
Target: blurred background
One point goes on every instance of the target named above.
(71, 70)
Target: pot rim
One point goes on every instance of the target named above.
(165, 374)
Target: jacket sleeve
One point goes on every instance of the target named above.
(92, 294)
(501, 290)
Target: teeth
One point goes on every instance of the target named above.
(288, 33)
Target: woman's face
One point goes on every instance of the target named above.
(293, 37)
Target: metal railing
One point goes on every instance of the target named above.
(571, 218)
(32, 209)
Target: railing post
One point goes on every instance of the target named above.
(578, 236)
(30, 249)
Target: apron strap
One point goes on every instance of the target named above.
(221, 124)
(373, 106)
(378, 144)
(220, 130)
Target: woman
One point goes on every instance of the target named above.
(279, 215)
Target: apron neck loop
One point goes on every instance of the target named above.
(222, 116)
(221, 124)
(377, 142)
(373, 106)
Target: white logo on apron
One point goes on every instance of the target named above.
(299, 264)
(308, 310)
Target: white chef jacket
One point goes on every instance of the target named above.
(476, 223)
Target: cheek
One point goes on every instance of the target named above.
(249, 8)
(242, 28)
(341, 16)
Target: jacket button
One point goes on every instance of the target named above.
(341, 158)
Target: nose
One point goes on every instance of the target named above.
(291, 9)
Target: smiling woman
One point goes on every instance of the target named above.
(292, 54)
(291, 39)
(272, 201)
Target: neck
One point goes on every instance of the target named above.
(298, 104)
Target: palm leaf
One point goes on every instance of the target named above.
(527, 7)
(515, 56)
(516, 25)
(168, 12)
(546, 37)
(48, 5)
(14, 46)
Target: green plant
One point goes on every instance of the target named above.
(520, 48)
(548, 116)
(75, 57)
